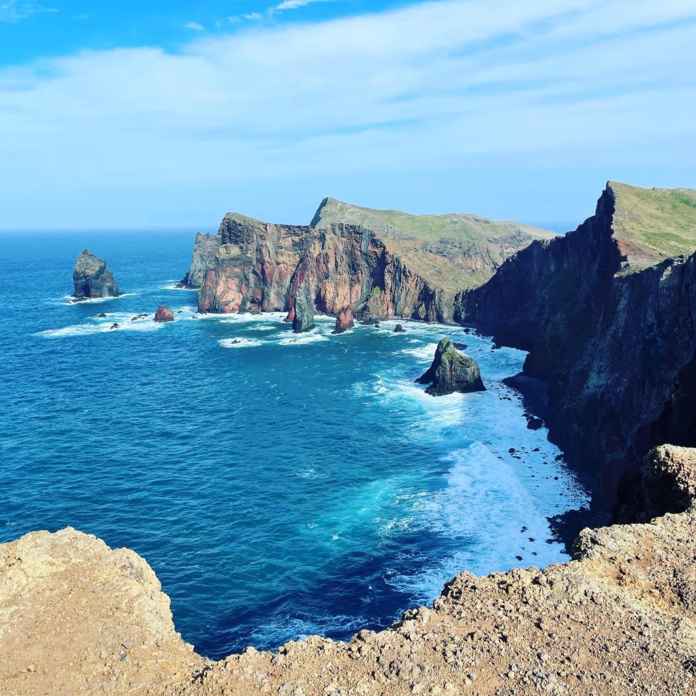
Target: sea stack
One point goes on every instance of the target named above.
(92, 278)
(344, 320)
(303, 306)
(451, 372)
(164, 314)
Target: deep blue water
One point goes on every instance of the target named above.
(277, 486)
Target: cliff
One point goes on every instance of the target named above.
(620, 619)
(608, 319)
(91, 278)
(354, 261)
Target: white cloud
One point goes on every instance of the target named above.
(194, 25)
(13, 11)
(293, 4)
(251, 15)
(417, 89)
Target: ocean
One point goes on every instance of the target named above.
(278, 485)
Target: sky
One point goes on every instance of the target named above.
(169, 114)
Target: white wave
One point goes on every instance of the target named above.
(245, 318)
(426, 352)
(102, 327)
(173, 286)
(239, 342)
(95, 300)
(303, 339)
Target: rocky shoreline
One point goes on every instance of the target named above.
(79, 618)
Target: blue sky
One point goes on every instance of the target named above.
(136, 114)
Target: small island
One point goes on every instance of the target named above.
(92, 279)
(451, 372)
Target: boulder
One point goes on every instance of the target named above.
(399, 329)
(91, 278)
(344, 320)
(164, 314)
(303, 307)
(370, 321)
(451, 372)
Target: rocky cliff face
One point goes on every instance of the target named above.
(451, 372)
(303, 306)
(91, 278)
(205, 250)
(610, 327)
(78, 618)
(377, 271)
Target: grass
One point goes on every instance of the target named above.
(654, 224)
(450, 251)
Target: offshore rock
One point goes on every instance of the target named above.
(378, 271)
(399, 329)
(451, 372)
(344, 320)
(164, 314)
(608, 315)
(303, 306)
(91, 278)
(620, 619)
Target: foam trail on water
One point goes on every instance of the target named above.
(239, 343)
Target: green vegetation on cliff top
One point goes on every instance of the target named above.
(654, 224)
(453, 252)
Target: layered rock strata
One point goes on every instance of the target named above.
(610, 324)
(619, 620)
(451, 371)
(91, 278)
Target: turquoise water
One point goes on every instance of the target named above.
(278, 485)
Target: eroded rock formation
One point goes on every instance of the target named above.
(249, 265)
(451, 372)
(91, 278)
(164, 314)
(78, 618)
(205, 250)
(610, 323)
(303, 305)
(344, 320)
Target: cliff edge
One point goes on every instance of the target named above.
(608, 315)
(619, 620)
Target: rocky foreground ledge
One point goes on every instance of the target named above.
(79, 618)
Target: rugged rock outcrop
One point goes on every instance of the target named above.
(303, 306)
(164, 314)
(344, 320)
(610, 325)
(91, 278)
(620, 620)
(451, 372)
(205, 250)
(249, 265)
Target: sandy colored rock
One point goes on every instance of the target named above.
(620, 620)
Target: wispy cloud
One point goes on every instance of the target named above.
(195, 26)
(293, 4)
(422, 88)
(13, 11)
